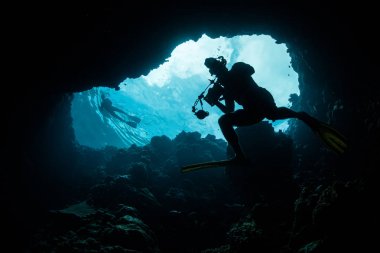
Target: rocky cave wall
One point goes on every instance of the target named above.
(58, 50)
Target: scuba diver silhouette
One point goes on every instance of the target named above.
(237, 85)
(106, 105)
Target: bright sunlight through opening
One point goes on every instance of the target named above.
(161, 101)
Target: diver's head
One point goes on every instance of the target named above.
(216, 66)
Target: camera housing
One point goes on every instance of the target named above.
(201, 114)
(214, 94)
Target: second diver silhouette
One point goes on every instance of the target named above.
(106, 106)
(237, 85)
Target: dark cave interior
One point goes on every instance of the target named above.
(61, 49)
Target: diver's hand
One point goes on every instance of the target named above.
(211, 103)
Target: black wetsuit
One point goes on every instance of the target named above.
(257, 103)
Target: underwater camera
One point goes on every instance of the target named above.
(213, 95)
(201, 114)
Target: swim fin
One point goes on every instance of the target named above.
(134, 118)
(132, 124)
(212, 164)
(205, 165)
(331, 137)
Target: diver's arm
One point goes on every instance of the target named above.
(228, 107)
(221, 106)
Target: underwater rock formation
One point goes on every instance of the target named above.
(76, 47)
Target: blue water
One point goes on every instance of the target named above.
(159, 116)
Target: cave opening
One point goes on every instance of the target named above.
(161, 101)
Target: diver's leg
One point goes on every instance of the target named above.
(282, 113)
(130, 123)
(113, 114)
(331, 137)
(238, 118)
(286, 113)
(137, 120)
(134, 118)
(115, 109)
